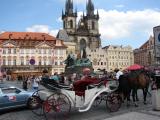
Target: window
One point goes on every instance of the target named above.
(9, 51)
(4, 61)
(10, 90)
(27, 51)
(93, 25)
(49, 51)
(14, 61)
(101, 63)
(44, 51)
(71, 24)
(27, 61)
(4, 51)
(22, 61)
(22, 51)
(50, 61)
(64, 24)
(32, 51)
(61, 52)
(9, 61)
(14, 51)
(56, 63)
(39, 51)
(56, 52)
(61, 63)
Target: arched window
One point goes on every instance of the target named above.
(9, 60)
(4, 60)
(22, 60)
(93, 25)
(71, 24)
(45, 60)
(39, 61)
(27, 60)
(14, 60)
(50, 60)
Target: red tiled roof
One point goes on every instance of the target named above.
(26, 35)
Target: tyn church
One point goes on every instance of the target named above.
(85, 33)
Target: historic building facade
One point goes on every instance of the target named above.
(85, 33)
(111, 57)
(31, 53)
(145, 54)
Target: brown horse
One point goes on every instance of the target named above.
(132, 82)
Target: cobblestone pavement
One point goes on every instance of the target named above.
(95, 113)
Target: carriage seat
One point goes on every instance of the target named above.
(81, 85)
(52, 84)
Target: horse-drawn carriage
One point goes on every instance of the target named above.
(57, 100)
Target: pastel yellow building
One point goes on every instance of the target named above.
(111, 57)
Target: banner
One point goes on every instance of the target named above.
(156, 31)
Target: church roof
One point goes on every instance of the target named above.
(62, 34)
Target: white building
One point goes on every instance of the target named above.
(29, 53)
(111, 57)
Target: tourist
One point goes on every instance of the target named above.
(35, 82)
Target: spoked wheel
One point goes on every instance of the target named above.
(113, 102)
(35, 104)
(97, 101)
(57, 107)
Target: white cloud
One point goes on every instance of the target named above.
(118, 24)
(42, 28)
(2, 32)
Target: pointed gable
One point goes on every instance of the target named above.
(44, 45)
(8, 44)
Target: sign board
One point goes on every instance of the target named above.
(32, 61)
(156, 31)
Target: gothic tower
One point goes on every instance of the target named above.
(85, 33)
(69, 17)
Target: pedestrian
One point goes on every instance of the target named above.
(118, 73)
(55, 77)
(24, 85)
(35, 83)
(29, 79)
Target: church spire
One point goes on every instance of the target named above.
(90, 8)
(69, 7)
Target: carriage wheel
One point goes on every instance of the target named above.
(113, 102)
(57, 106)
(35, 104)
(97, 101)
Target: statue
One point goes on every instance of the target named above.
(70, 61)
(76, 65)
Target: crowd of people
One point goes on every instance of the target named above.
(33, 81)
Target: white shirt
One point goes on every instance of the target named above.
(35, 82)
(119, 73)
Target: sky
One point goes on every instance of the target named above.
(122, 22)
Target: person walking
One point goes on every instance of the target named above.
(118, 73)
(24, 85)
(35, 82)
